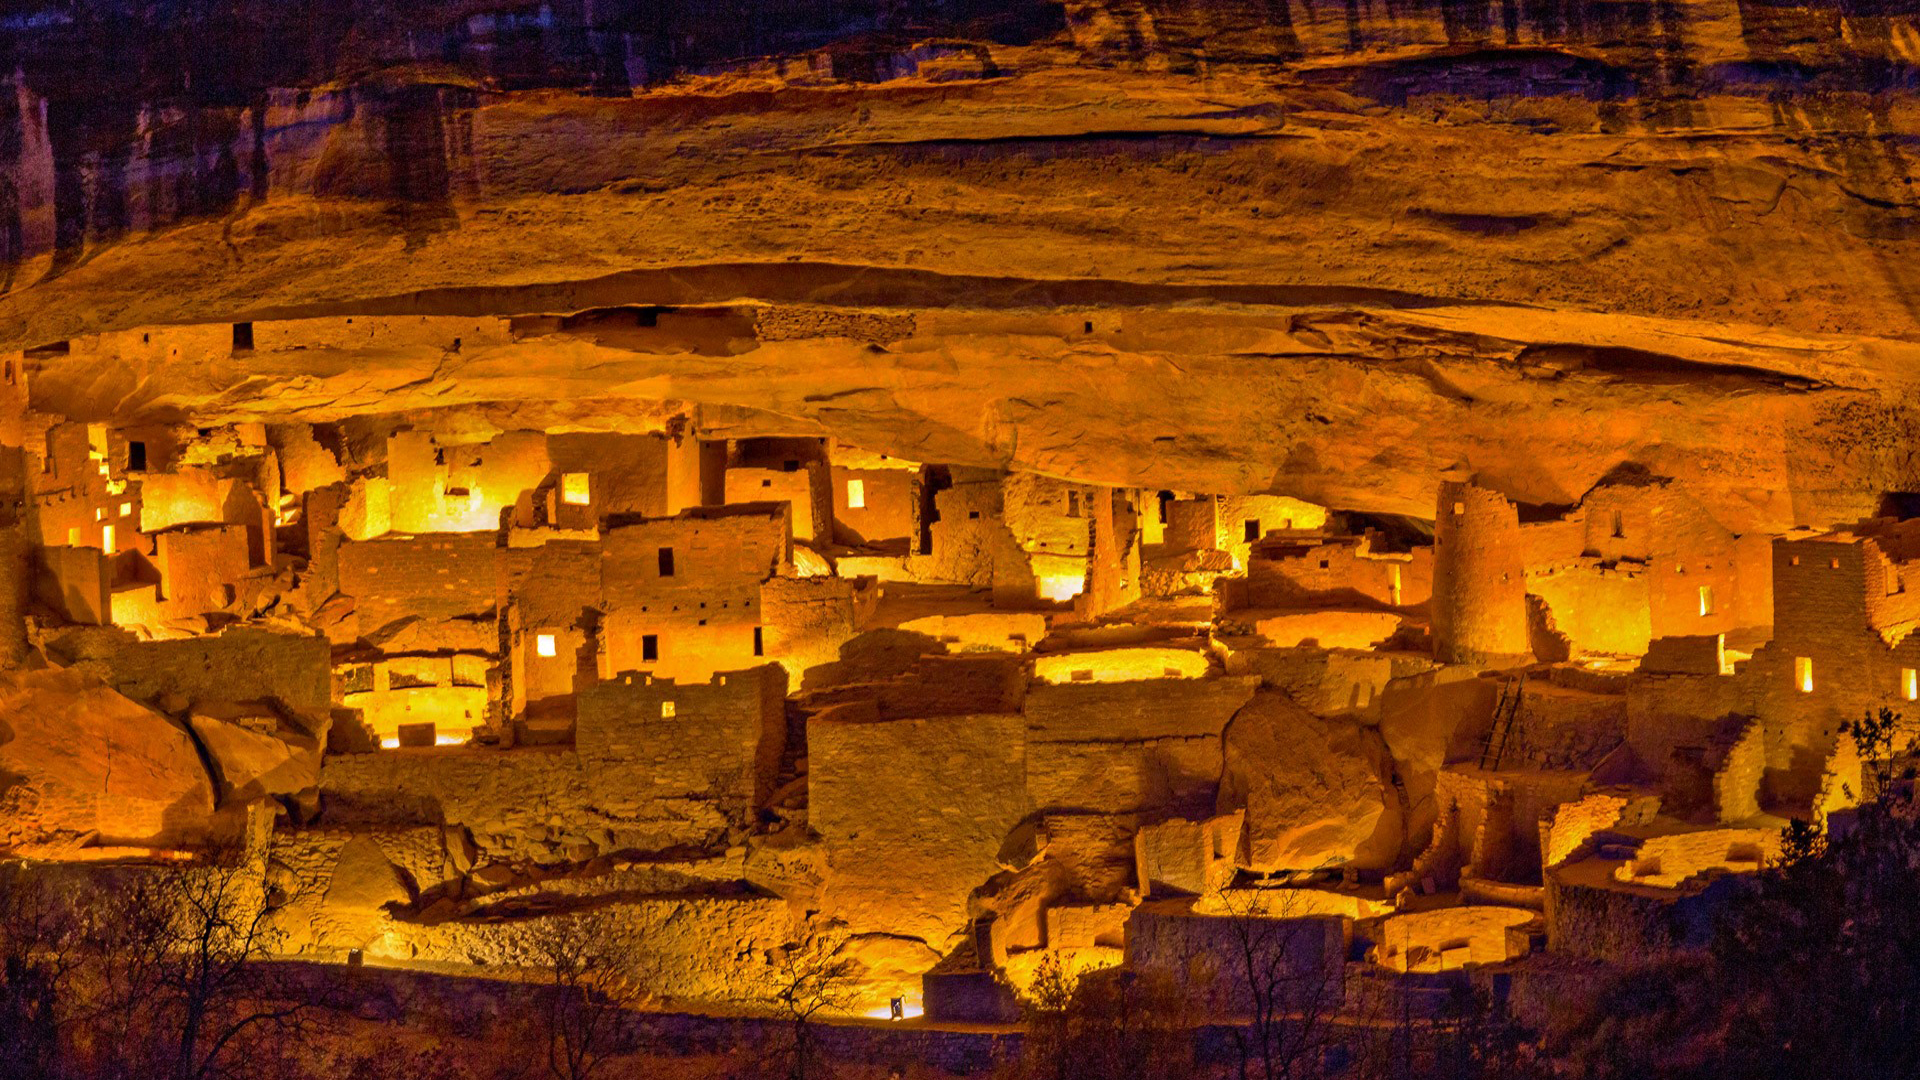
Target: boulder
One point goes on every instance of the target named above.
(77, 757)
(1428, 719)
(1312, 789)
(364, 879)
(252, 764)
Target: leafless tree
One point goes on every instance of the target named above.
(1279, 978)
(587, 961)
(805, 981)
(178, 983)
(39, 952)
(1105, 1025)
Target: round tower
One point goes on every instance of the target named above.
(1479, 609)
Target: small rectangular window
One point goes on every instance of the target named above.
(1250, 530)
(573, 489)
(106, 539)
(99, 513)
(1803, 673)
(759, 643)
(1619, 526)
(544, 645)
(1894, 584)
(126, 508)
(649, 647)
(1706, 599)
(666, 562)
(1459, 509)
(666, 710)
(137, 456)
(1073, 504)
(73, 537)
(242, 337)
(856, 494)
(1910, 684)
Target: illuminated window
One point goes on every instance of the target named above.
(856, 494)
(1910, 684)
(125, 509)
(106, 539)
(666, 710)
(649, 647)
(1459, 508)
(1833, 564)
(1706, 599)
(99, 514)
(544, 645)
(573, 489)
(1803, 673)
(1794, 560)
(1393, 585)
(73, 537)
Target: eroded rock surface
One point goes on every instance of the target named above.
(1312, 789)
(1219, 248)
(78, 758)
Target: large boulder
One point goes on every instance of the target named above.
(254, 760)
(77, 758)
(1312, 789)
(364, 879)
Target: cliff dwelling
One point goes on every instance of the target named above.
(879, 540)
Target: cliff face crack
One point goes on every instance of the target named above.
(845, 285)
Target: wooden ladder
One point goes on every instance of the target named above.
(1504, 712)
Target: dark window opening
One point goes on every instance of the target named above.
(649, 647)
(789, 466)
(1089, 326)
(242, 337)
(759, 645)
(136, 456)
(666, 562)
(973, 515)
(1073, 504)
(1252, 529)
